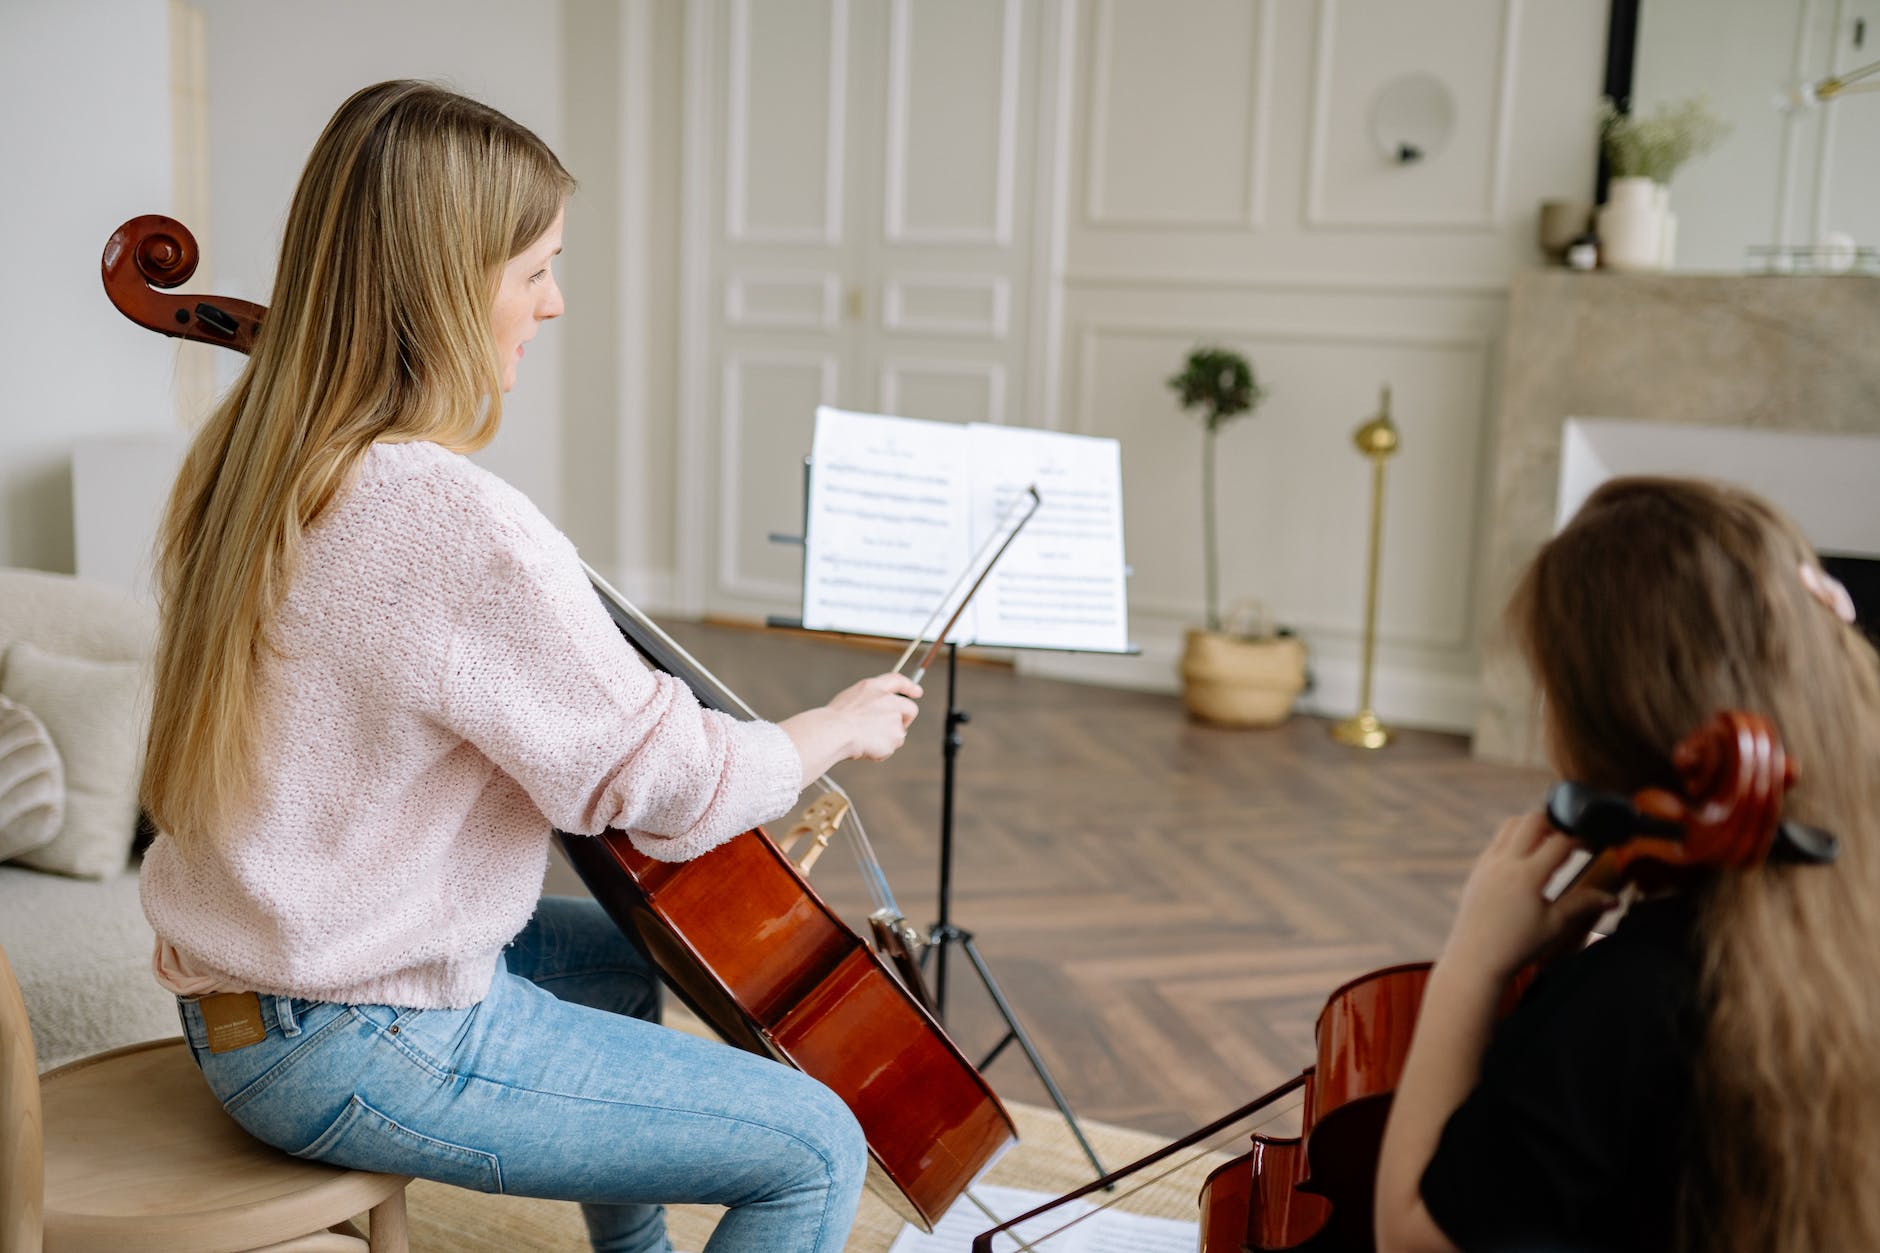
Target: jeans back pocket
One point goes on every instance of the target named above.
(362, 1138)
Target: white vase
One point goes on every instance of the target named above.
(1667, 230)
(1630, 225)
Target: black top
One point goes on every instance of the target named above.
(1575, 1138)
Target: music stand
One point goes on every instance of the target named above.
(945, 933)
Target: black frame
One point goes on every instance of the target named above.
(1621, 55)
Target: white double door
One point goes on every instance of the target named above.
(862, 177)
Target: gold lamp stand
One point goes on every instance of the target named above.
(1376, 439)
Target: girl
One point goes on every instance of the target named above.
(1708, 1076)
(382, 677)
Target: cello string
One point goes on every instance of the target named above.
(1217, 1144)
(865, 852)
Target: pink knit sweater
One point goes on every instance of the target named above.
(444, 687)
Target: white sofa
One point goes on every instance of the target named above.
(80, 947)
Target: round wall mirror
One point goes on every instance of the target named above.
(1412, 118)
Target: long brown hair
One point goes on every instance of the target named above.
(1662, 602)
(379, 329)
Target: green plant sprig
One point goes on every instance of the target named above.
(1656, 146)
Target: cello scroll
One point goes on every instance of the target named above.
(1727, 814)
(152, 252)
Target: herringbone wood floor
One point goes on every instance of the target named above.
(1165, 905)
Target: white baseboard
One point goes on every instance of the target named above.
(1404, 697)
(1152, 670)
(1431, 700)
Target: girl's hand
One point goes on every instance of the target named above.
(1503, 922)
(877, 713)
(867, 719)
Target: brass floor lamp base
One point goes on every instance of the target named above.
(1362, 731)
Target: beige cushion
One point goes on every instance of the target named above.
(95, 714)
(32, 782)
(73, 617)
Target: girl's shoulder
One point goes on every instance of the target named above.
(429, 526)
(1639, 984)
(424, 474)
(428, 490)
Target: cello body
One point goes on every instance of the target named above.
(738, 932)
(758, 955)
(1313, 1191)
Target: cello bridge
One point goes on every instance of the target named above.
(819, 821)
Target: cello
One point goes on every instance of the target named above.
(738, 932)
(1314, 1192)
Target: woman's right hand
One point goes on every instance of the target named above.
(867, 719)
(1503, 921)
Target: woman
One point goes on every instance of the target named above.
(1708, 1076)
(382, 677)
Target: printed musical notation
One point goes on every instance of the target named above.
(898, 507)
(1077, 1227)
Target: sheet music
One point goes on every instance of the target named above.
(887, 520)
(1116, 1232)
(898, 507)
(1062, 581)
(1107, 1231)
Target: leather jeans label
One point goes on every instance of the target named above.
(233, 1020)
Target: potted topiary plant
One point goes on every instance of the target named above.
(1239, 671)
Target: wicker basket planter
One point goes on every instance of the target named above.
(1236, 681)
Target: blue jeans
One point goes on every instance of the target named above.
(558, 1084)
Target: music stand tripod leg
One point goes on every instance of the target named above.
(944, 933)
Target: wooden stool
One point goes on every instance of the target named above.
(137, 1156)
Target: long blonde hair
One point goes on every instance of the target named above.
(1663, 602)
(379, 329)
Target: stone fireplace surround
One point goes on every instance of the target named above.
(1745, 354)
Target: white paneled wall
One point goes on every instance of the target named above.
(1360, 46)
(860, 226)
(1220, 107)
(1225, 187)
(951, 154)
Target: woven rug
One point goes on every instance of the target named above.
(1046, 1159)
